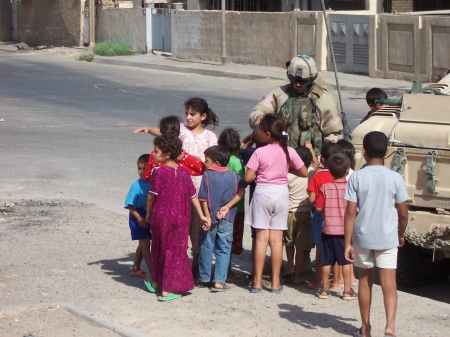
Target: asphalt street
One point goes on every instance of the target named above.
(67, 129)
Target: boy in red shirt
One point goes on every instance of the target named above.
(331, 204)
(320, 178)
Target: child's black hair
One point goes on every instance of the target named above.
(170, 124)
(349, 150)
(143, 159)
(229, 139)
(305, 155)
(373, 94)
(338, 164)
(275, 125)
(219, 154)
(256, 138)
(375, 144)
(328, 149)
(201, 106)
(169, 143)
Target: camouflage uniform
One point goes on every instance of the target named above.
(313, 116)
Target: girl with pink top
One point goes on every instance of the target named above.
(269, 208)
(196, 139)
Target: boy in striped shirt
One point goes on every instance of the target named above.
(331, 203)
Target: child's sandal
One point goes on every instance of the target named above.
(349, 295)
(324, 294)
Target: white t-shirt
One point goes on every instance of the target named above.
(298, 195)
(376, 190)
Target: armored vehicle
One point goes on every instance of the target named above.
(418, 129)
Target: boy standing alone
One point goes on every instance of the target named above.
(375, 219)
(331, 203)
(136, 202)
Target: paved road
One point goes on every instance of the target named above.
(68, 125)
(67, 129)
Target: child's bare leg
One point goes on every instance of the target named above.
(365, 298)
(389, 287)
(253, 259)
(137, 258)
(353, 273)
(145, 248)
(299, 258)
(336, 273)
(325, 270)
(290, 260)
(347, 275)
(262, 240)
(276, 256)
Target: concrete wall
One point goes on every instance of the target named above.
(6, 25)
(50, 22)
(402, 5)
(123, 25)
(257, 38)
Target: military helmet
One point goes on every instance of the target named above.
(302, 68)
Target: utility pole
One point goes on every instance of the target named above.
(224, 43)
(91, 23)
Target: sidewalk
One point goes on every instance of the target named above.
(348, 82)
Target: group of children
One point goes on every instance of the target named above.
(192, 185)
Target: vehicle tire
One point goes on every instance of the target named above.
(415, 267)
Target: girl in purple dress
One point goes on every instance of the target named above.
(168, 210)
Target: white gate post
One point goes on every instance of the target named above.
(148, 25)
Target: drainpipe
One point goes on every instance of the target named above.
(91, 23)
(224, 43)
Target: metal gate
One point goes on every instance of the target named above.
(350, 37)
(161, 30)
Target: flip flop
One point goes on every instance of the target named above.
(169, 297)
(218, 290)
(357, 333)
(277, 291)
(351, 295)
(324, 297)
(138, 273)
(255, 290)
(149, 285)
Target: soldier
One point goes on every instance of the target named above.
(309, 111)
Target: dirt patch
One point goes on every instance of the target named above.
(62, 251)
(48, 321)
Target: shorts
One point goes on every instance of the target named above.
(332, 249)
(316, 228)
(137, 232)
(369, 258)
(238, 233)
(298, 230)
(194, 230)
(269, 207)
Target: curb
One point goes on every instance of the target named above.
(207, 72)
(102, 321)
(230, 74)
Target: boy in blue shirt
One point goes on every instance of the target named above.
(220, 190)
(375, 222)
(136, 202)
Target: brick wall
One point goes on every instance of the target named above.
(402, 5)
(50, 22)
(5, 20)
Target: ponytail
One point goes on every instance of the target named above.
(201, 106)
(275, 125)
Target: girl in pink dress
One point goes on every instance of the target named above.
(196, 139)
(168, 210)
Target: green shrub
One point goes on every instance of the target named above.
(86, 57)
(113, 49)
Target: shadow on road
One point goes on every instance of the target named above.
(313, 320)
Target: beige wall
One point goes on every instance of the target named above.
(123, 25)
(255, 38)
(50, 22)
(5, 20)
